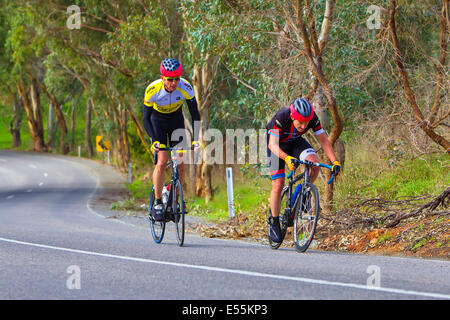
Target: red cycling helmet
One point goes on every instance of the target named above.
(171, 68)
(302, 110)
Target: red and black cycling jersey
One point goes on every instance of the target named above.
(282, 126)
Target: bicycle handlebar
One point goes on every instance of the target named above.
(315, 164)
(155, 154)
(176, 149)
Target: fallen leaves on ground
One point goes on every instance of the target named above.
(357, 229)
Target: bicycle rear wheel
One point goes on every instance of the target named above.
(283, 224)
(179, 211)
(306, 216)
(157, 227)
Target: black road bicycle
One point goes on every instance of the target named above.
(174, 208)
(300, 211)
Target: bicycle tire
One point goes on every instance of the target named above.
(179, 212)
(283, 224)
(306, 217)
(156, 227)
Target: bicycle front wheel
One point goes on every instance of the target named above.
(157, 227)
(306, 216)
(179, 211)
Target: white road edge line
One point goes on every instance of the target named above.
(92, 195)
(243, 272)
(235, 271)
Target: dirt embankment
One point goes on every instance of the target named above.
(409, 227)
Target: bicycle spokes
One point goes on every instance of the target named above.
(179, 212)
(306, 217)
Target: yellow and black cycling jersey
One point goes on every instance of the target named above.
(160, 100)
(162, 111)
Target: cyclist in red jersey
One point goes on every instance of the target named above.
(285, 145)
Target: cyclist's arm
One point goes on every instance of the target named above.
(147, 112)
(195, 115)
(326, 146)
(274, 146)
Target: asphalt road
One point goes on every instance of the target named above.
(57, 243)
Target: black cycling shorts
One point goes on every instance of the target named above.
(170, 132)
(299, 148)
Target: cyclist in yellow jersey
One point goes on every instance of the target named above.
(164, 122)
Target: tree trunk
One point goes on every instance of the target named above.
(15, 123)
(36, 131)
(87, 130)
(202, 82)
(64, 146)
(313, 48)
(122, 139)
(73, 124)
(422, 123)
(37, 108)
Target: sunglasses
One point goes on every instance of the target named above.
(171, 79)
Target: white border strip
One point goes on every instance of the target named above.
(240, 272)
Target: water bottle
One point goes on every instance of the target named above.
(165, 193)
(296, 192)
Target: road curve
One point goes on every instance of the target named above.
(54, 244)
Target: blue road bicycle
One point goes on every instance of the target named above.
(299, 209)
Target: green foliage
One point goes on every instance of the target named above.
(117, 52)
(364, 177)
(249, 194)
(140, 189)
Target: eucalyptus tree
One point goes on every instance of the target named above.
(435, 116)
(11, 109)
(25, 48)
(112, 49)
(204, 52)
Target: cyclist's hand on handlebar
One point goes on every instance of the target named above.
(197, 145)
(336, 168)
(291, 162)
(156, 145)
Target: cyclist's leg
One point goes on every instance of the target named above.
(159, 173)
(158, 183)
(313, 171)
(275, 196)
(277, 173)
(304, 151)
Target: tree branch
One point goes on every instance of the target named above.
(440, 66)
(326, 25)
(425, 125)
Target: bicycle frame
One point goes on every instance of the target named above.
(175, 173)
(293, 213)
(174, 208)
(305, 174)
(292, 181)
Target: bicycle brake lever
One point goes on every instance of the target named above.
(290, 174)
